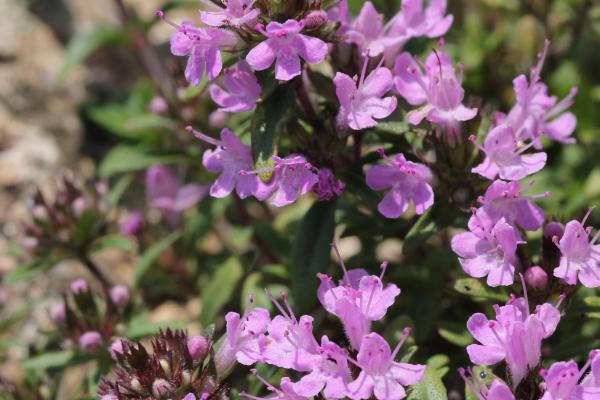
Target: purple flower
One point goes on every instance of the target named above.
(489, 249)
(91, 341)
(504, 158)
(536, 113)
(242, 92)
(243, 337)
(286, 45)
(229, 159)
(407, 181)
(79, 286)
(202, 46)
(504, 200)
(285, 391)
(361, 103)
(498, 390)
(167, 194)
(198, 347)
(563, 380)
(119, 295)
(293, 176)
(131, 224)
(438, 90)
(339, 12)
(380, 375)
(328, 185)
(236, 13)
(515, 336)
(580, 256)
(415, 20)
(366, 31)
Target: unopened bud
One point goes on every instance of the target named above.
(109, 397)
(536, 278)
(553, 229)
(91, 341)
(58, 313)
(315, 19)
(160, 388)
(197, 346)
(116, 348)
(119, 295)
(217, 119)
(78, 286)
(158, 105)
(132, 224)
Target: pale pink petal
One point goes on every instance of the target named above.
(261, 56)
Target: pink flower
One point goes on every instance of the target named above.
(357, 300)
(131, 224)
(498, 390)
(91, 341)
(380, 375)
(504, 158)
(339, 12)
(438, 90)
(536, 113)
(330, 373)
(286, 45)
(284, 392)
(504, 200)
(328, 185)
(165, 192)
(243, 338)
(407, 181)
(515, 336)
(489, 249)
(366, 31)
(415, 20)
(202, 46)
(361, 103)
(293, 176)
(243, 89)
(236, 13)
(229, 159)
(563, 380)
(580, 256)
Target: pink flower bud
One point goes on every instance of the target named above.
(197, 346)
(160, 388)
(109, 397)
(536, 278)
(91, 341)
(132, 224)
(315, 19)
(79, 286)
(116, 348)
(119, 295)
(58, 312)
(553, 229)
(158, 105)
(217, 119)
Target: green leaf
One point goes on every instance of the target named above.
(125, 158)
(429, 388)
(425, 226)
(82, 46)
(112, 242)
(220, 289)
(151, 254)
(485, 376)
(592, 301)
(128, 123)
(393, 127)
(140, 326)
(13, 318)
(455, 334)
(56, 359)
(473, 288)
(26, 271)
(119, 188)
(311, 251)
(269, 121)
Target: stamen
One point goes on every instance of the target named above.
(276, 303)
(587, 214)
(470, 384)
(492, 325)
(364, 71)
(563, 104)
(287, 305)
(478, 382)
(203, 137)
(161, 14)
(405, 333)
(473, 139)
(524, 148)
(264, 381)
(327, 279)
(383, 268)
(561, 298)
(337, 253)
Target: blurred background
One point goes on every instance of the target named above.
(82, 81)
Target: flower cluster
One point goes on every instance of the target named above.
(287, 341)
(90, 320)
(178, 367)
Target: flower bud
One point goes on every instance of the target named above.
(217, 119)
(197, 346)
(58, 313)
(132, 224)
(116, 348)
(536, 278)
(161, 388)
(91, 341)
(158, 105)
(553, 229)
(79, 286)
(109, 397)
(315, 19)
(119, 294)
